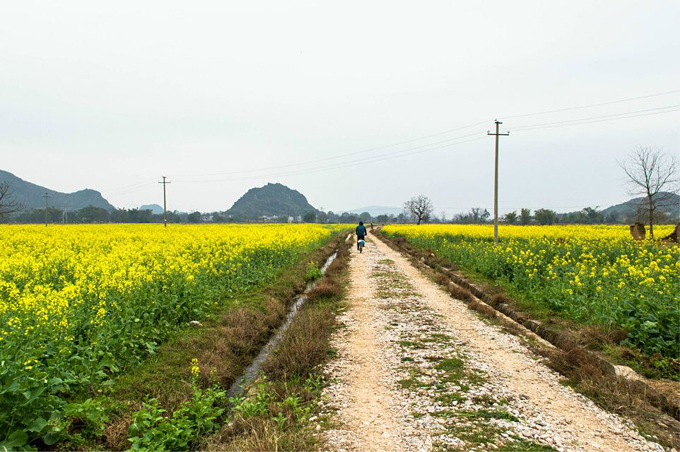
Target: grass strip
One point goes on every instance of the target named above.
(278, 411)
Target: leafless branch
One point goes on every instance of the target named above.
(8, 205)
(653, 175)
(419, 207)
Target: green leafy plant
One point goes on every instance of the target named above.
(151, 429)
(313, 271)
(265, 403)
(256, 405)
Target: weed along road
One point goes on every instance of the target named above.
(417, 370)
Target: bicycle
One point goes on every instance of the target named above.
(360, 245)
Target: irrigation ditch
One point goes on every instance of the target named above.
(251, 372)
(273, 405)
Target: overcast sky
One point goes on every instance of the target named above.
(223, 96)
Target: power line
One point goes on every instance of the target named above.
(426, 136)
(384, 156)
(515, 208)
(410, 151)
(123, 190)
(419, 150)
(592, 105)
(670, 108)
(133, 188)
(380, 155)
(339, 155)
(336, 166)
(123, 187)
(145, 187)
(137, 190)
(602, 120)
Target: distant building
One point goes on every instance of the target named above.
(269, 218)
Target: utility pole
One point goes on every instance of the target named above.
(165, 202)
(495, 182)
(46, 195)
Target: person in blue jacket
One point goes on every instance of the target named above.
(361, 232)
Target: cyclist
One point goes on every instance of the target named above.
(361, 232)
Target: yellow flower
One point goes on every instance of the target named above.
(104, 283)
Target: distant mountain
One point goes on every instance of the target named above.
(271, 200)
(376, 210)
(628, 210)
(31, 196)
(154, 208)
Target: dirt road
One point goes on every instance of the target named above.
(416, 370)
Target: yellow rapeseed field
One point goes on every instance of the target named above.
(592, 274)
(78, 303)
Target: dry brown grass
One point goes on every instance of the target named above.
(338, 266)
(628, 398)
(597, 336)
(441, 279)
(256, 434)
(306, 343)
(240, 335)
(116, 432)
(460, 293)
(500, 299)
(303, 348)
(327, 287)
(487, 311)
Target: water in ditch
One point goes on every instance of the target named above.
(250, 372)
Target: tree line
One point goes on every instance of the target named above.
(422, 213)
(651, 174)
(93, 214)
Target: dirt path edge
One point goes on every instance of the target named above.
(667, 401)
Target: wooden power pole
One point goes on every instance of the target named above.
(165, 202)
(495, 182)
(46, 195)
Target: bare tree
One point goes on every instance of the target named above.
(419, 207)
(8, 205)
(654, 175)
